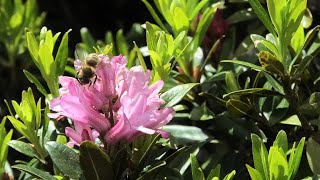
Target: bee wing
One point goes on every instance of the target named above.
(77, 65)
(80, 53)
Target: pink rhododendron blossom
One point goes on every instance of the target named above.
(119, 105)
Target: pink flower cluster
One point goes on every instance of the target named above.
(119, 105)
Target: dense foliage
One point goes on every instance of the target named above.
(240, 95)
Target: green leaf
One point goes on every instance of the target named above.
(186, 134)
(87, 39)
(282, 141)
(180, 19)
(278, 164)
(61, 58)
(121, 43)
(204, 23)
(313, 151)
(292, 120)
(230, 175)
(242, 15)
(65, 159)
(154, 15)
(33, 47)
(21, 128)
(274, 83)
(270, 63)
(260, 156)
(214, 173)
(260, 92)
(254, 174)
(94, 162)
(34, 171)
(195, 10)
(202, 113)
(303, 65)
(276, 10)
(197, 173)
(46, 61)
(35, 81)
(243, 63)
(23, 148)
(295, 158)
(231, 82)
(175, 94)
(262, 14)
(237, 107)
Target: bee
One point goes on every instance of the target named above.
(87, 71)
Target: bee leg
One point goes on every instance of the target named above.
(95, 79)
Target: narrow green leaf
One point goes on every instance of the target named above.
(243, 63)
(303, 65)
(23, 148)
(276, 11)
(94, 162)
(313, 151)
(261, 92)
(61, 58)
(282, 141)
(121, 43)
(34, 171)
(196, 9)
(33, 46)
(186, 134)
(231, 82)
(65, 159)
(87, 39)
(237, 107)
(214, 173)
(254, 174)
(35, 81)
(154, 15)
(292, 120)
(278, 165)
(197, 173)
(230, 175)
(295, 158)
(262, 14)
(175, 94)
(260, 156)
(139, 54)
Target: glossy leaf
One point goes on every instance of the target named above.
(186, 133)
(34, 171)
(260, 92)
(313, 151)
(282, 141)
(254, 174)
(35, 81)
(94, 162)
(175, 94)
(65, 159)
(214, 173)
(260, 156)
(197, 173)
(303, 65)
(278, 164)
(237, 107)
(243, 63)
(61, 58)
(295, 158)
(23, 148)
(270, 63)
(262, 14)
